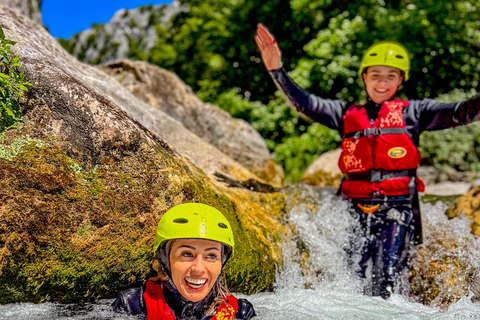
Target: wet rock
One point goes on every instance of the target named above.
(468, 205)
(93, 170)
(324, 171)
(440, 264)
(164, 91)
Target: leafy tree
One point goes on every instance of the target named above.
(11, 83)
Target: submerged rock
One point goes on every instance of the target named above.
(85, 179)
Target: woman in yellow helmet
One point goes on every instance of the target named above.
(193, 243)
(379, 151)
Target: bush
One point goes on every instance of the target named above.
(11, 84)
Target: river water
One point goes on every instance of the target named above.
(320, 285)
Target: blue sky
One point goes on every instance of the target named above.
(64, 18)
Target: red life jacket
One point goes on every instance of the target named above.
(377, 159)
(157, 308)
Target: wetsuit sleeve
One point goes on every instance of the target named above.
(245, 310)
(130, 301)
(325, 111)
(434, 115)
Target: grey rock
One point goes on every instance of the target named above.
(126, 29)
(92, 112)
(165, 91)
(29, 8)
(448, 188)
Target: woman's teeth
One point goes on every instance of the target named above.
(195, 283)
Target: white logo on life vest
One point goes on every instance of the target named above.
(397, 153)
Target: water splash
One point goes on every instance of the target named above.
(315, 281)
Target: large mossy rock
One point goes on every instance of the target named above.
(84, 182)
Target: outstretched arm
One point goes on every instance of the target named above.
(326, 112)
(438, 116)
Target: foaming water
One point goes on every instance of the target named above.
(320, 285)
(315, 281)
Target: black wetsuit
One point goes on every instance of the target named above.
(383, 235)
(132, 302)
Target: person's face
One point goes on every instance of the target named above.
(195, 265)
(382, 82)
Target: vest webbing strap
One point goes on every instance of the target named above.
(373, 132)
(376, 175)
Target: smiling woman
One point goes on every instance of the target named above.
(192, 245)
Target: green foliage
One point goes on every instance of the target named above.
(444, 53)
(294, 142)
(211, 47)
(11, 84)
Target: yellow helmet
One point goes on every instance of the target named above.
(386, 53)
(195, 221)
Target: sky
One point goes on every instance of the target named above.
(64, 18)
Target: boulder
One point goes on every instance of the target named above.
(86, 177)
(164, 91)
(324, 171)
(448, 188)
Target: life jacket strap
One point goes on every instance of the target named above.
(373, 132)
(375, 175)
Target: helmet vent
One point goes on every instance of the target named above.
(373, 54)
(399, 56)
(180, 220)
(222, 225)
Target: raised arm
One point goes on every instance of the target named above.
(324, 111)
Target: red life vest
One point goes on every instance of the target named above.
(377, 159)
(157, 308)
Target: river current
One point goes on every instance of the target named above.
(319, 285)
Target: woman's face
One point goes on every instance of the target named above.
(195, 265)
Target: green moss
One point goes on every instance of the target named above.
(73, 233)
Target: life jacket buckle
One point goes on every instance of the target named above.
(368, 208)
(370, 132)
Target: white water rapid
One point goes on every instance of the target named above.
(319, 285)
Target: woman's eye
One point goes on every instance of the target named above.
(187, 254)
(212, 256)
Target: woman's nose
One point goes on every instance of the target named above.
(198, 264)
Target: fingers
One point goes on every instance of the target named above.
(264, 35)
(259, 43)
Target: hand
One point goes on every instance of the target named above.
(266, 42)
(245, 310)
